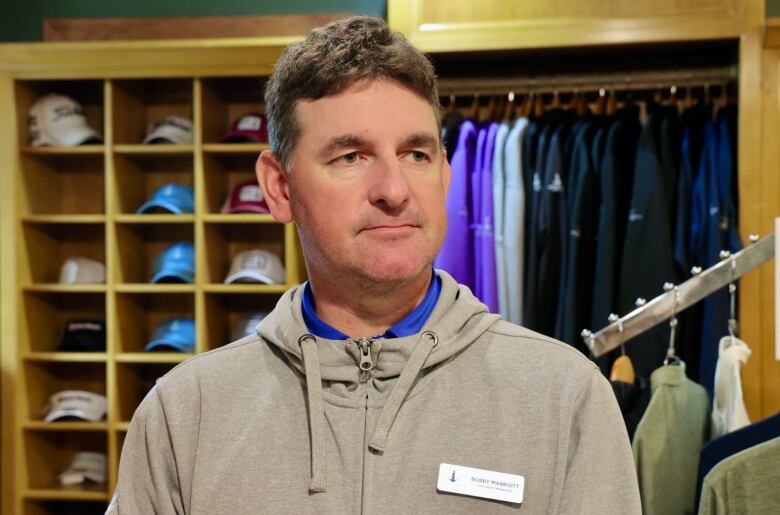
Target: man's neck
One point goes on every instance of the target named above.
(360, 312)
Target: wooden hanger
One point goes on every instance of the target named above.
(623, 370)
(672, 99)
(556, 101)
(474, 109)
(582, 104)
(527, 107)
(611, 104)
(723, 100)
(451, 106)
(509, 110)
(601, 103)
(538, 107)
(658, 96)
(498, 109)
(689, 101)
(488, 113)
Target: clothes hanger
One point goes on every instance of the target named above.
(689, 101)
(509, 110)
(672, 99)
(658, 95)
(611, 103)
(623, 367)
(733, 324)
(498, 109)
(556, 100)
(527, 106)
(490, 111)
(474, 109)
(538, 107)
(451, 106)
(582, 104)
(723, 100)
(601, 103)
(671, 357)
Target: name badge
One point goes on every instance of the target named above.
(480, 483)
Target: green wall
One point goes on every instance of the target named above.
(21, 19)
(772, 8)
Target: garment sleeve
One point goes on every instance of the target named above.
(710, 502)
(148, 478)
(600, 472)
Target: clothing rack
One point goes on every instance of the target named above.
(664, 307)
(617, 81)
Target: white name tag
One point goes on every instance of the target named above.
(480, 483)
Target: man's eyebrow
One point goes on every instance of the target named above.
(340, 142)
(422, 139)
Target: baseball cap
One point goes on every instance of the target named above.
(84, 335)
(250, 128)
(78, 404)
(175, 264)
(176, 198)
(256, 266)
(81, 270)
(57, 120)
(247, 325)
(171, 129)
(246, 197)
(84, 467)
(173, 335)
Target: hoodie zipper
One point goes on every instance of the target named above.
(366, 364)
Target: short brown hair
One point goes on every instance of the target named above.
(332, 58)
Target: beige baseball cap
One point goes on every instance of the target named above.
(256, 266)
(57, 120)
(81, 270)
(78, 404)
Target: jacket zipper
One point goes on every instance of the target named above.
(365, 365)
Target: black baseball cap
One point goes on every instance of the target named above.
(85, 335)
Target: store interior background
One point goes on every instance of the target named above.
(22, 23)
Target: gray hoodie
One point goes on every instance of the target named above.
(284, 422)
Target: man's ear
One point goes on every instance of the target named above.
(276, 188)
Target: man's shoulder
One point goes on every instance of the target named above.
(520, 343)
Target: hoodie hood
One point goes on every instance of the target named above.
(331, 368)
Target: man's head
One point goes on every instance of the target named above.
(332, 58)
(356, 160)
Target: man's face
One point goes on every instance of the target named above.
(368, 184)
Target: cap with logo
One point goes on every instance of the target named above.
(247, 325)
(246, 197)
(173, 335)
(175, 264)
(173, 129)
(250, 128)
(81, 270)
(58, 120)
(85, 467)
(75, 404)
(174, 198)
(256, 266)
(84, 335)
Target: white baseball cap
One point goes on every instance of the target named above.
(78, 404)
(84, 467)
(172, 129)
(57, 120)
(256, 266)
(81, 270)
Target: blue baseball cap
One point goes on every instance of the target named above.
(173, 335)
(176, 264)
(176, 198)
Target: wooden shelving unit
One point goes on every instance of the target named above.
(82, 201)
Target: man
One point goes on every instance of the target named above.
(368, 389)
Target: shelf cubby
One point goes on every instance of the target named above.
(139, 314)
(49, 453)
(66, 507)
(136, 380)
(226, 311)
(43, 379)
(138, 103)
(46, 313)
(224, 240)
(221, 173)
(137, 246)
(70, 184)
(225, 99)
(138, 176)
(47, 246)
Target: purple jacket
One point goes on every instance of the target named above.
(485, 243)
(457, 253)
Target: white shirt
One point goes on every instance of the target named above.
(728, 406)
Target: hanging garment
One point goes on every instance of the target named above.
(499, 188)
(476, 208)
(632, 400)
(484, 232)
(647, 261)
(617, 169)
(530, 146)
(667, 442)
(744, 484)
(727, 445)
(514, 220)
(713, 229)
(450, 131)
(728, 406)
(582, 206)
(457, 252)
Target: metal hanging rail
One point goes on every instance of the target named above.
(690, 292)
(618, 81)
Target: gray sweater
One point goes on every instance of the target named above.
(284, 422)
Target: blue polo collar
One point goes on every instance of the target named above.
(411, 323)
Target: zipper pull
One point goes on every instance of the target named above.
(366, 363)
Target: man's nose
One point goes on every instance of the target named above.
(389, 188)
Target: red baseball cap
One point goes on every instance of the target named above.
(250, 128)
(246, 197)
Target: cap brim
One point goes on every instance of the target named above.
(162, 135)
(243, 137)
(161, 204)
(159, 276)
(173, 346)
(78, 136)
(246, 207)
(62, 413)
(249, 276)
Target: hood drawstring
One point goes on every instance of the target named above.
(311, 365)
(405, 381)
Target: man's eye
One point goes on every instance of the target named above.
(350, 158)
(419, 157)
